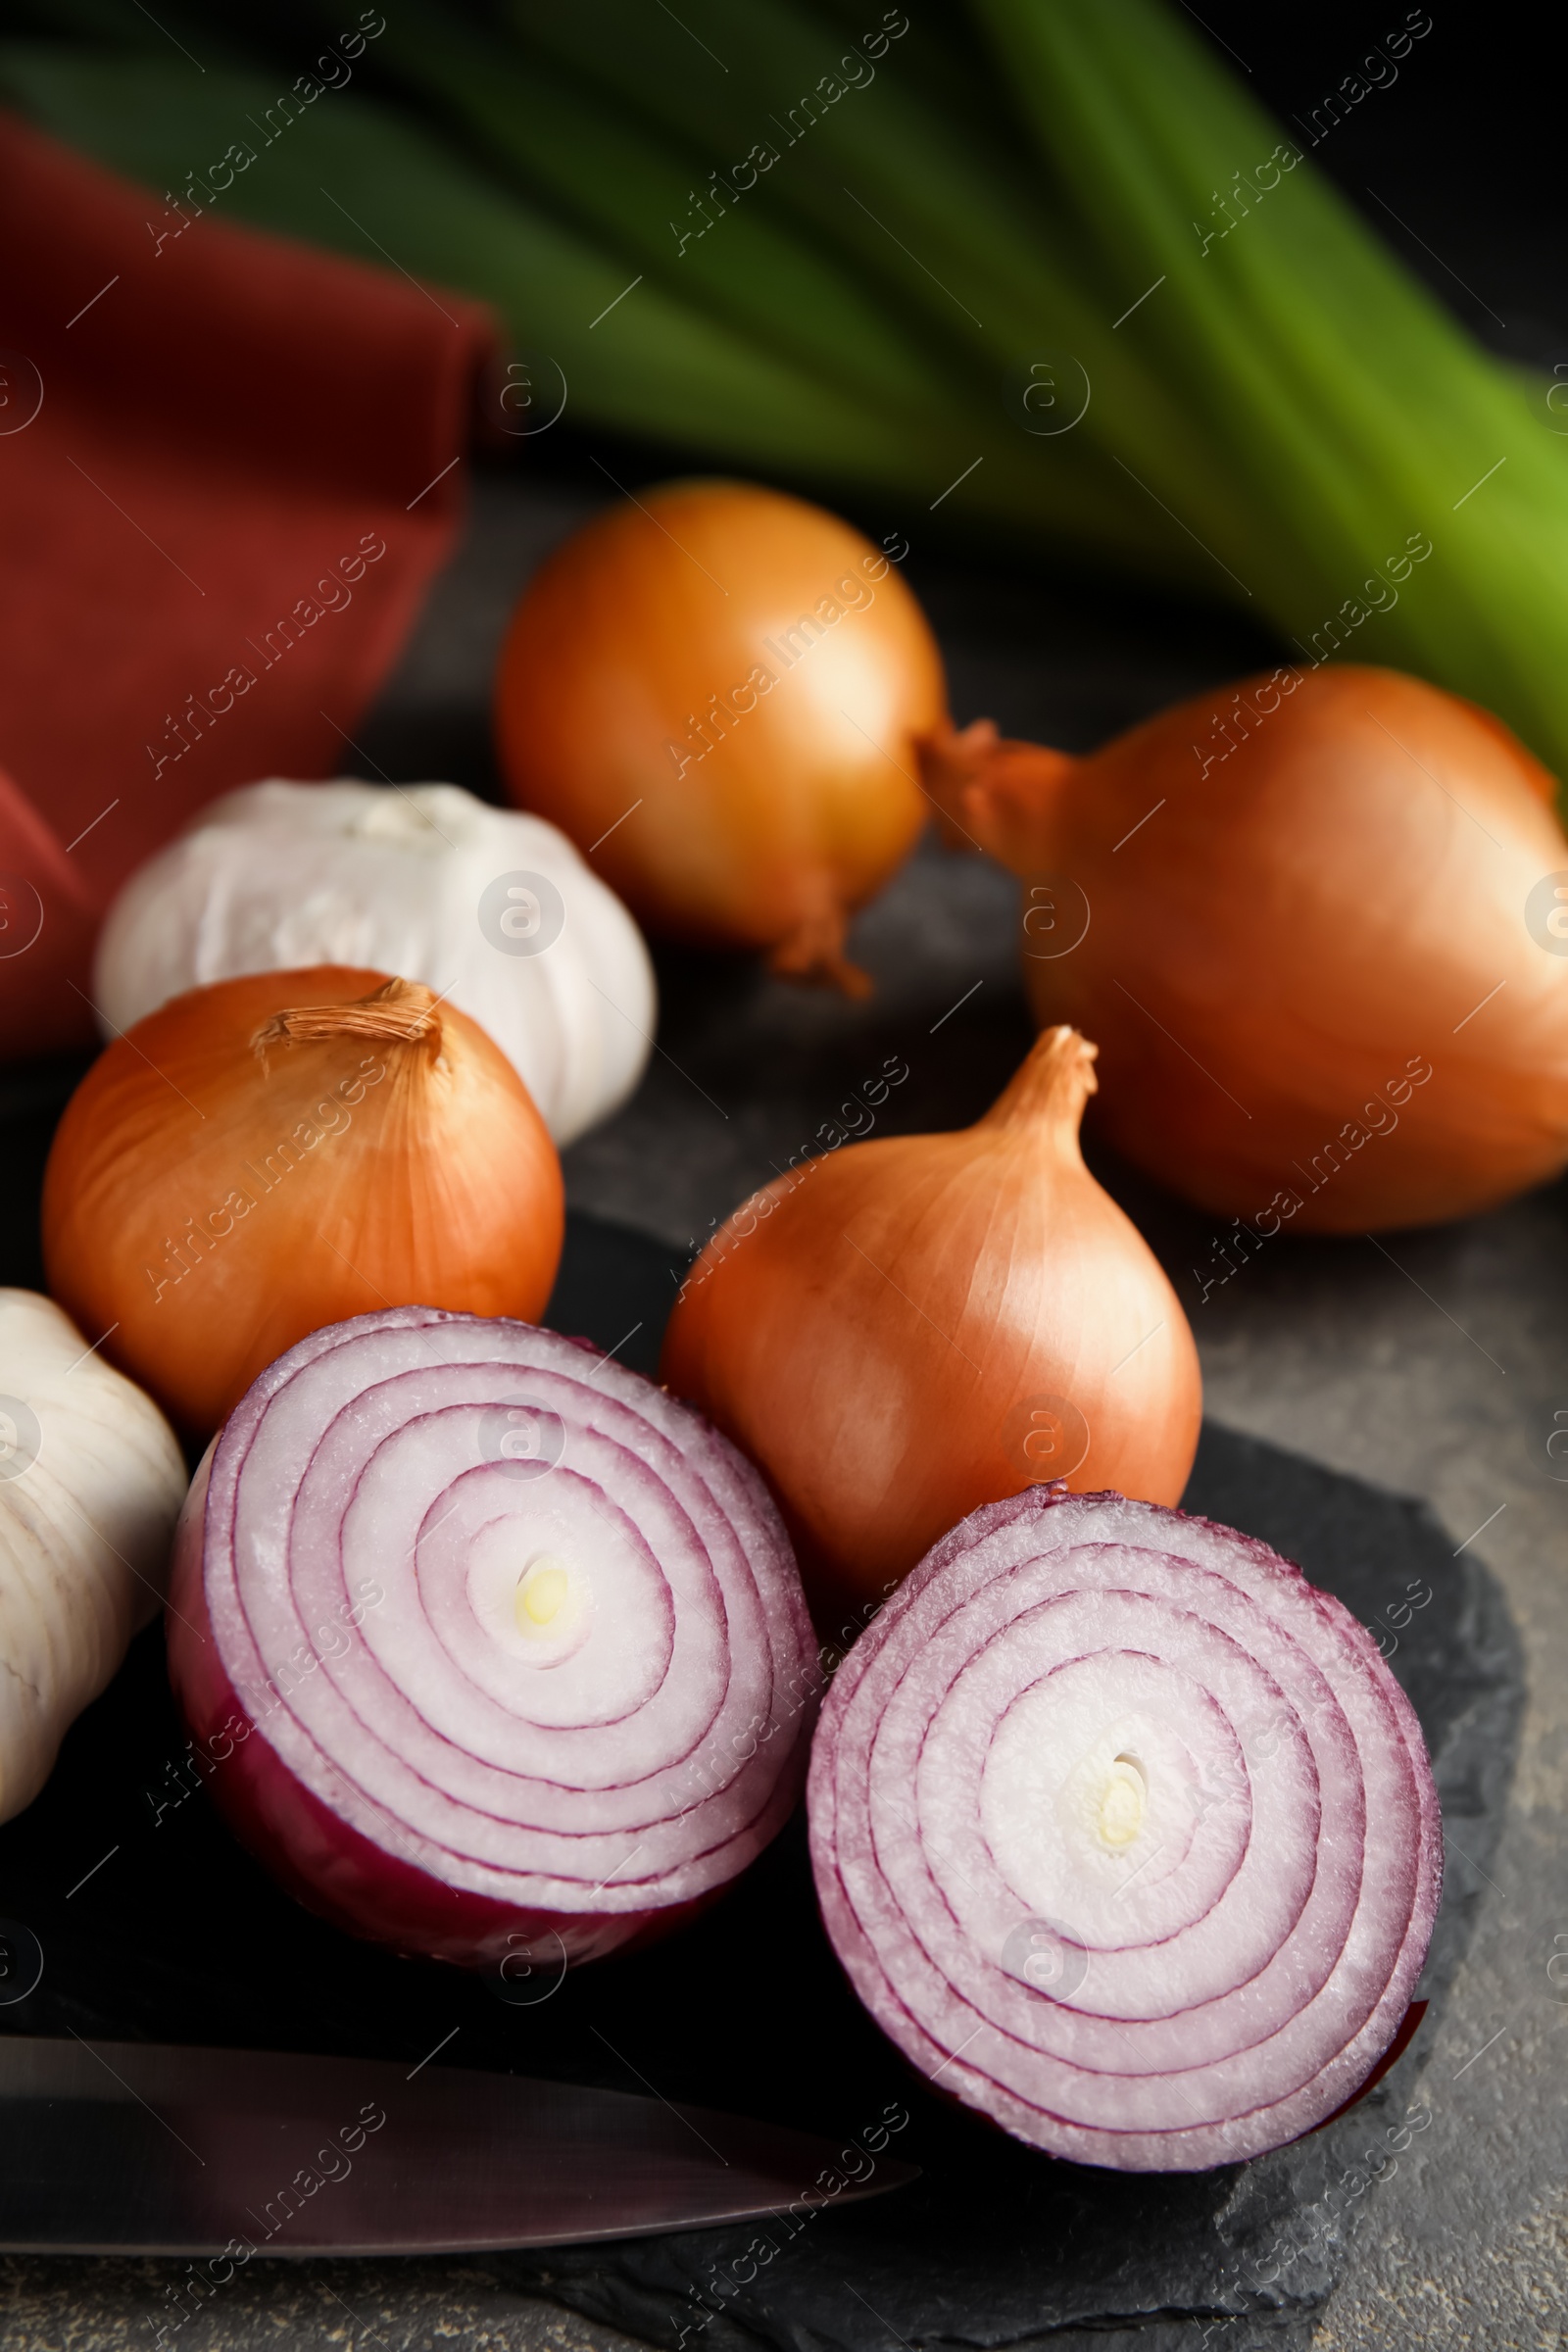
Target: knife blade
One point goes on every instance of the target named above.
(139, 2147)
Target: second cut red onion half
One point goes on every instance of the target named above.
(483, 1639)
(1125, 1834)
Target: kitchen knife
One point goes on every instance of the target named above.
(111, 2147)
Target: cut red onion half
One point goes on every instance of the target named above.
(1125, 1834)
(485, 1641)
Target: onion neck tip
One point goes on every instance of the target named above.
(994, 794)
(1051, 1084)
(815, 950)
(399, 1012)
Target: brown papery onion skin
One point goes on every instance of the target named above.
(918, 1325)
(234, 1174)
(1280, 946)
(796, 800)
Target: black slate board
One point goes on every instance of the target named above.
(154, 1924)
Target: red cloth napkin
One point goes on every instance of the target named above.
(229, 467)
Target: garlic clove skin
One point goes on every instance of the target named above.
(91, 1483)
(280, 876)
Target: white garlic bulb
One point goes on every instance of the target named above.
(91, 1482)
(489, 907)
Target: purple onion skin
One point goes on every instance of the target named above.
(323, 1862)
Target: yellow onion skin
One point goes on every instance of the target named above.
(1320, 1001)
(206, 1205)
(631, 693)
(915, 1325)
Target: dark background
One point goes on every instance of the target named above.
(1466, 148)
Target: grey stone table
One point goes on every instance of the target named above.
(1434, 1364)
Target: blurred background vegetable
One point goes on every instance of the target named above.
(91, 1482)
(1304, 916)
(495, 911)
(1051, 263)
(278, 1151)
(718, 692)
(918, 1325)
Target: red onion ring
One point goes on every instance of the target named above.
(486, 1638)
(1125, 1834)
